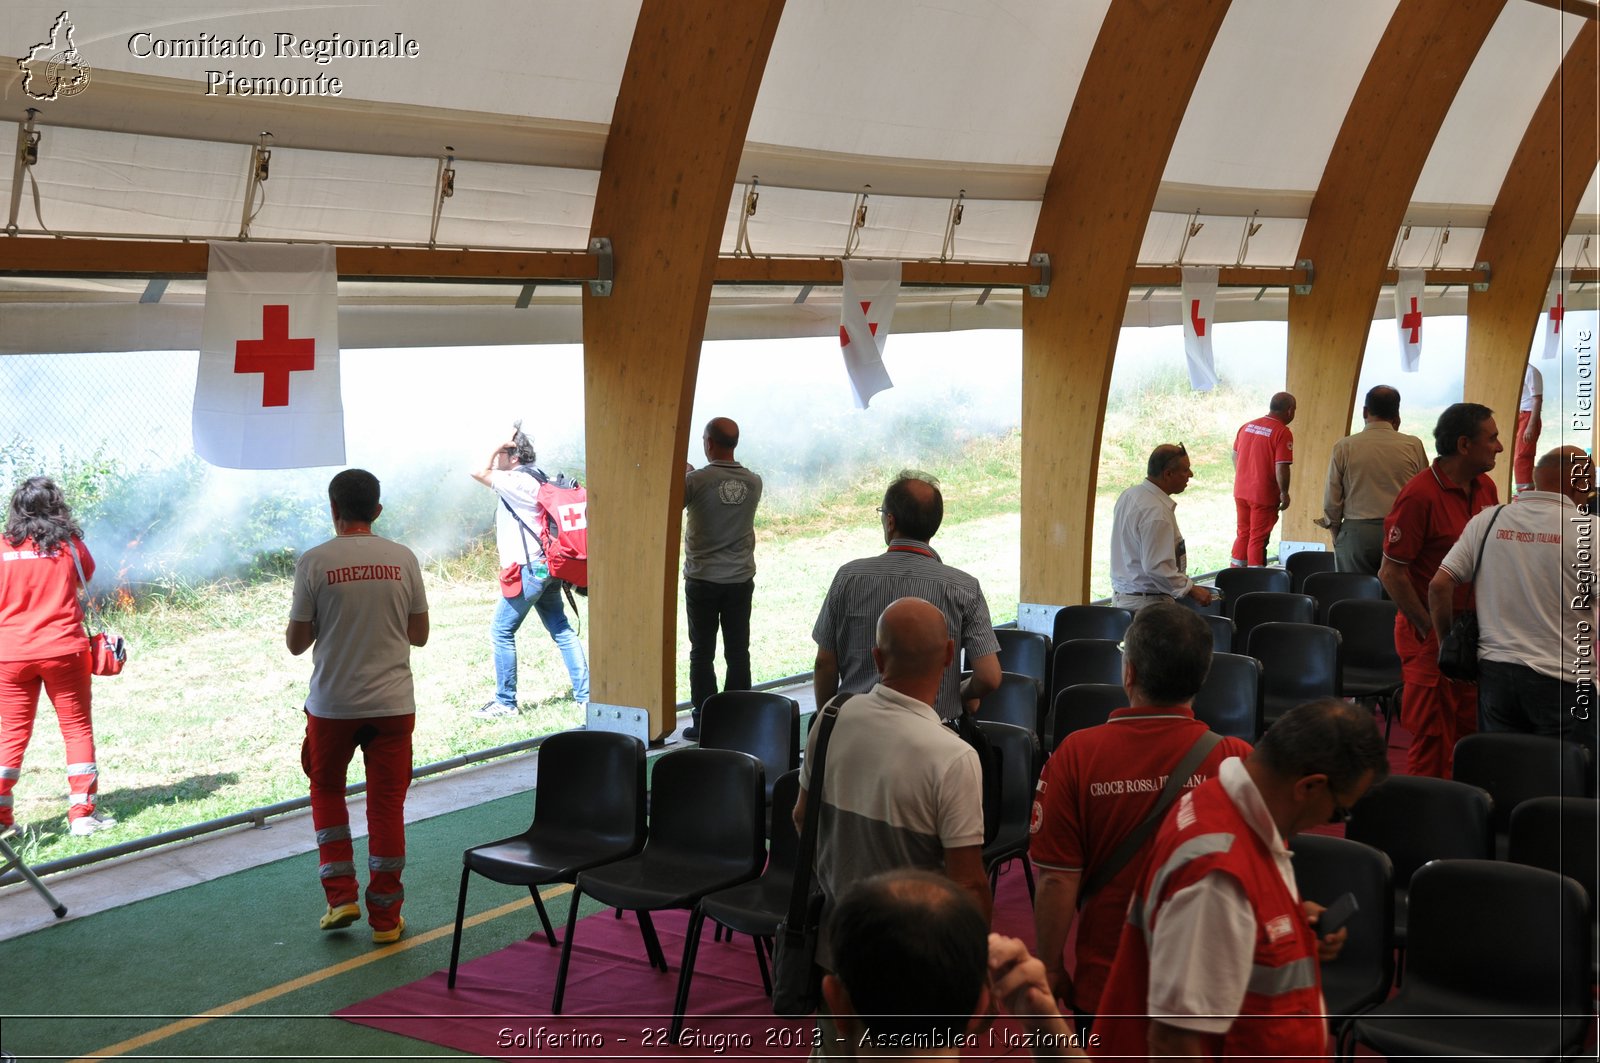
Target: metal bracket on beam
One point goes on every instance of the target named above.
(1483, 268)
(1040, 260)
(1032, 616)
(1311, 276)
(600, 248)
(525, 297)
(623, 719)
(154, 289)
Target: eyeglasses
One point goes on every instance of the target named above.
(1182, 451)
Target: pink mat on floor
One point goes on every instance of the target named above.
(616, 1006)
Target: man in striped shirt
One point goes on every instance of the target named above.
(845, 630)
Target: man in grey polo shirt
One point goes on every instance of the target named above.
(719, 565)
(911, 513)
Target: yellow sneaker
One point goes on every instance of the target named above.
(340, 917)
(390, 936)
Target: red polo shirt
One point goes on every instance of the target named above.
(1428, 517)
(1262, 445)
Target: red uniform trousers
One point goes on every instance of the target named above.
(1522, 454)
(1435, 709)
(66, 680)
(385, 744)
(1256, 521)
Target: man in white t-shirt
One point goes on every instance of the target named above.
(1528, 428)
(1534, 587)
(358, 599)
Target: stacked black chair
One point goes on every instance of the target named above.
(1015, 701)
(1303, 563)
(754, 908)
(1024, 652)
(1019, 753)
(1516, 767)
(1084, 661)
(706, 834)
(762, 723)
(1084, 705)
(1562, 834)
(1090, 622)
(588, 810)
(1325, 869)
(1492, 969)
(1230, 701)
(1222, 632)
(1270, 607)
(1370, 665)
(1330, 587)
(1234, 582)
(1301, 662)
(1414, 819)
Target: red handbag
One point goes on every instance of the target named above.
(107, 650)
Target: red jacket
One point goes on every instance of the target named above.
(40, 616)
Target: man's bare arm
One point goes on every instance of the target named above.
(299, 636)
(1396, 580)
(964, 865)
(1171, 1042)
(417, 628)
(825, 677)
(1053, 912)
(984, 679)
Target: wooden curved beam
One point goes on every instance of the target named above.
(1532, 214)
(1393, 120)
(1097, 201)
(682, 112)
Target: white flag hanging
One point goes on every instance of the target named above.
(267, 393)
(870, 290)
(1555, 312)
(1199, 304)
(1408, 318)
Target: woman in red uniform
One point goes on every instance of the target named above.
(43, 645)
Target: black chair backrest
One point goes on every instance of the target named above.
(1084, 705)
(1024, 652)
(592, 783)
(1086, 661)
(1015, 701)
(1019, 753)
(1090, 622)
(1270, 607)
(1303, 563)
(783, 854)
(1367, 630)
(1494, 933)
(1561, 834)
(1330, 587)
(759, 722)
(1230, 701)
(1515, 767)
(1234, 582)
(1300, 662)
(1222, 632)
(710, 806)
(1415, 819)
(1325, 869)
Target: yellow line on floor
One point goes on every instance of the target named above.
(133, 1044)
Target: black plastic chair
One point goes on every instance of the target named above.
(588, 810)
(1236, 582)
(1270, 607)
(1084, 705)
(1084, 661)
(1090, 622)
(1014, 701)
(706, 834)
(754, 908)
(1325, 869)
(1515, 767)
(1230, 701)
(1370, 665)
(1024, 652)
(1019, 754)
(1562, 834)
(1303, 563)
(1492, 969)
(762, 723)
(1414, 820)
(1329, 588)
(1222, 632)
(1300, 662)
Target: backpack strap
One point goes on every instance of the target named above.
(800, 891)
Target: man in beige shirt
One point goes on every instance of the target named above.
(1366, 472)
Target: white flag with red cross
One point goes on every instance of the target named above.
(1555, 311)
(1408, 317)
(1199, 308)
(870, 290)
(267, 393)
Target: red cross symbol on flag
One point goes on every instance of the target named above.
(1196, 318)
(872, 326)
(1413, 321)
(275, 355)
(1557, 312)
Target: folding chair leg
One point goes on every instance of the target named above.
(691, 946)
(544, 917)
(15, 861)
(566, 952)
(455, 941)
(1027, 875)
(652, 944)
(761, 945)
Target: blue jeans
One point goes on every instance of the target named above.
(543, 596)
(1514, 697)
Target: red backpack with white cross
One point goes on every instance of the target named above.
(565, 535)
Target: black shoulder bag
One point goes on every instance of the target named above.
(1458, 650)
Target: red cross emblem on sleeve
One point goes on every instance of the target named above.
(275, 355)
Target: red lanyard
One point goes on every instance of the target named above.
(911, 550)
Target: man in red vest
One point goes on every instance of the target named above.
(1219, 957)
(1263, 452)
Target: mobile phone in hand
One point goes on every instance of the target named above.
(1336, 915)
